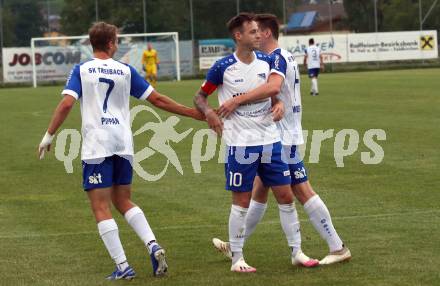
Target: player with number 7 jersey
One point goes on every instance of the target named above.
(103, 87)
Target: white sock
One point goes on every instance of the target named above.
(322, 222)
(137, 220)
(254, 215)
(290, 224)
(315, 85)
(108, 230)
(237, 219)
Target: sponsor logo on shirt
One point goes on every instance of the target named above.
(296, 108)
(239, 80)
(262, 75)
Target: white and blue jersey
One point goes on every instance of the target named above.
(252, 136)
(250, 124)
(290, 125)
(313, 53)
(103, 88)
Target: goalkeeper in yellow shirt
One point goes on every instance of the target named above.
(150, 64)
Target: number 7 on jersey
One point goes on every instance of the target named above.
(111, 84)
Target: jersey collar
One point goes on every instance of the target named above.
(238, 60)
(275, 50)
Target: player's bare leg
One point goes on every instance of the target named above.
(321, 220)
(121, 198)
(100, 202)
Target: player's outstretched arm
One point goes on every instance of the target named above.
(60, 114)
(201, 103)
(164, 102)
(271, 88)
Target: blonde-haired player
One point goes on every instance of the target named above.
(150, 63)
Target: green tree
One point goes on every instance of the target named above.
(76, 17)
(400, 15)
(22, 20)
(393, 15)
(360, 15)
(162, 16)
(210, 16)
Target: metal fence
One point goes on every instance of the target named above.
(20, 20)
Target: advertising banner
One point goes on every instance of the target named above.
(392, 46)
(53, 63)
(212, 50)
(333, 48)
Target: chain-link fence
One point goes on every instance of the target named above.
(195, 20)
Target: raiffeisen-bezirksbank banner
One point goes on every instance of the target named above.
(392, 46)
(367, 47)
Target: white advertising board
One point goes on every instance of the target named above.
(53, 63)
(212, 50)
(333, 47)
(392, 46)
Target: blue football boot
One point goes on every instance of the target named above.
(158, 261)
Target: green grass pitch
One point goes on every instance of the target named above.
(388, 214)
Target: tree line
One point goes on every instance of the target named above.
(24, 19)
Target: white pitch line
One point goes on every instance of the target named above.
(177, 227)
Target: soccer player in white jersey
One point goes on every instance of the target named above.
(103, 87)
(287, 84)
(250, 133)
(314, 63)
